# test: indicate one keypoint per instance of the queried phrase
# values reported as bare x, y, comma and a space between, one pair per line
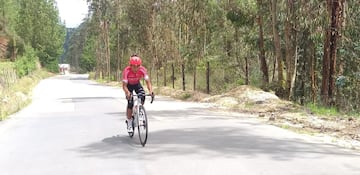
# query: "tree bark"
262, 59
277, 44
290, 38
208, 77
164, 74
335, 11
183, 75
194, 78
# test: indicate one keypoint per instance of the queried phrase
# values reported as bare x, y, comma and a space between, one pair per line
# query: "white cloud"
72, 11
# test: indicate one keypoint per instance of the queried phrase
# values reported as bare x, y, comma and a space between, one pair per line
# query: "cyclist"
131, 77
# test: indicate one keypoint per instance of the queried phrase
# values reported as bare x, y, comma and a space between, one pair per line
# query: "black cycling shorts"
138, 90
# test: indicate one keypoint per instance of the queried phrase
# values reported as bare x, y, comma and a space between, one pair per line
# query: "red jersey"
133, 78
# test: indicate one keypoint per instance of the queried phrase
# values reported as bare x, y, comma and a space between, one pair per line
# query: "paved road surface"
76, 127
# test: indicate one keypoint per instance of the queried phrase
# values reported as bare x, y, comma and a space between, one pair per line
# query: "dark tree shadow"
209, 142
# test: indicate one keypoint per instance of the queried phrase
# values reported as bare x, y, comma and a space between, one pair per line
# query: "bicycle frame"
137, 105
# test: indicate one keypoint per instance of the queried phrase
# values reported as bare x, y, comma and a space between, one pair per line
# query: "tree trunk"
262, 59
173, 75
183, 76
107, 49
118, 53
208, 77
118, 48
335, 11
277, 44
325, 69
290, 42
157, 77
246, 71
194, 78
98, 60
165, 74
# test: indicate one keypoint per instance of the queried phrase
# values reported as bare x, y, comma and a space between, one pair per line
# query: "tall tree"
290, 47
335, 14
277, 45
262, 58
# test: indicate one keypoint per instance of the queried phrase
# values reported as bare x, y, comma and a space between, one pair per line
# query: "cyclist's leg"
130, 102
129, 119
140, 90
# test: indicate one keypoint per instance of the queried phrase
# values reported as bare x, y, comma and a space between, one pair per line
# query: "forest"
305, 51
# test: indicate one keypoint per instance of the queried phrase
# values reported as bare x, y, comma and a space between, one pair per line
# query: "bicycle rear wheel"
142, 125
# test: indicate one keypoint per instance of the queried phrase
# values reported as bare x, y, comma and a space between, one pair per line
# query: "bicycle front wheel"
142, 125
131, 134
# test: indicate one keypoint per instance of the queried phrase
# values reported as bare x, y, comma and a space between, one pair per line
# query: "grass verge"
18, 95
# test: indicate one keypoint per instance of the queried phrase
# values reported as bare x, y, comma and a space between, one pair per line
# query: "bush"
26, 64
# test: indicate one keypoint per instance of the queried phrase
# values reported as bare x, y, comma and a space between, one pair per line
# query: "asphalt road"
76, 127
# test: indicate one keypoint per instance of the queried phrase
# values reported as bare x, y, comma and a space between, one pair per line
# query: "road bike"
140, 120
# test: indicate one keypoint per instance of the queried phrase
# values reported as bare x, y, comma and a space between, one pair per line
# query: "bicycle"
140, 120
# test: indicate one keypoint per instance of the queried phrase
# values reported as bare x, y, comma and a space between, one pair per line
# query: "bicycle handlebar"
152, 96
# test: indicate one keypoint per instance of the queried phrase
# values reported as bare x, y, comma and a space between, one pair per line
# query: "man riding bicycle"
131, 77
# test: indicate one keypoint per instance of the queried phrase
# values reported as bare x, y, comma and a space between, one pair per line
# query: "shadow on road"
208, 143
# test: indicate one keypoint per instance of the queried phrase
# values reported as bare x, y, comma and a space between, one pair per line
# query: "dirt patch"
340, 130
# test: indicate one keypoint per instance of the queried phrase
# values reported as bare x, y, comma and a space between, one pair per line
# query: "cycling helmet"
135, 60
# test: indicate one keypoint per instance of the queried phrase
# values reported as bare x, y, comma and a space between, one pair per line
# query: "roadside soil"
267, 107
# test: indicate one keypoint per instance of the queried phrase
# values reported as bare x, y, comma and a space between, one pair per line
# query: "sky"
72, 11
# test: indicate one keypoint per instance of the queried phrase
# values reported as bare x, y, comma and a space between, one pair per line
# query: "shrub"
26, 64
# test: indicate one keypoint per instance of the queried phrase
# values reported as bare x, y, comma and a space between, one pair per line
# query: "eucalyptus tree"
290, 37
120, 35
277, 44
195, 23
191, 34
335, 9
348, 74
306, 22
243, 15
100, 21
262, 58
139, 18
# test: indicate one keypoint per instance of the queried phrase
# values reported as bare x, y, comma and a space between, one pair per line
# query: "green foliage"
8, 11
185, 96
238, 18
52, 66
26, 64
38, 25
87, 61
321, 110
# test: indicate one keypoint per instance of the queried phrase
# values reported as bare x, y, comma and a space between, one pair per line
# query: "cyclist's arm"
147, 80
126, 90
125, 82
149, 86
